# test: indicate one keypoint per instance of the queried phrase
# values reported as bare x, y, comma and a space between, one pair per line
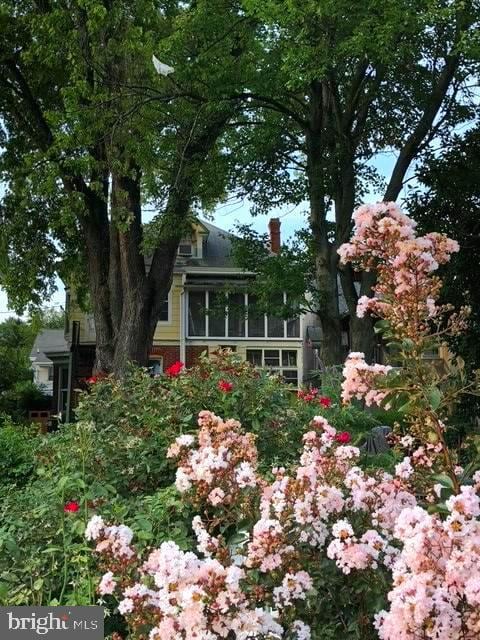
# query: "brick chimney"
275, 240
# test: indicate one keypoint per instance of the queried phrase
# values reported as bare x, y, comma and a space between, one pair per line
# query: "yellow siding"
171, 330
165, 331
87, 331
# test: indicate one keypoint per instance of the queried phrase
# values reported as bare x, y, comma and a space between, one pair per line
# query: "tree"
447, 199
17, 390
90, 133
337, 84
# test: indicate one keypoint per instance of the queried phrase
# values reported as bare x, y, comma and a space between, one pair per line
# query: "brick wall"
170, 354
192, 353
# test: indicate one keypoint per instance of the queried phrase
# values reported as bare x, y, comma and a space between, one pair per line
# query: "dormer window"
187, 247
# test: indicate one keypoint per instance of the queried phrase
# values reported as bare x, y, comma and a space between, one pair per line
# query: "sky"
226, 216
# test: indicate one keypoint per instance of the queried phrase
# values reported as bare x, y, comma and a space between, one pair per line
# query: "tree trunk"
95, 226
132, 344
126, 299
325, 256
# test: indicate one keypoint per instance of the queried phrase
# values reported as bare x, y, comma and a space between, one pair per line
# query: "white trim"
183, 322
220, 271
244, 339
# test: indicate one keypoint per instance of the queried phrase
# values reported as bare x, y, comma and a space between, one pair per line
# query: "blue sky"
225, 217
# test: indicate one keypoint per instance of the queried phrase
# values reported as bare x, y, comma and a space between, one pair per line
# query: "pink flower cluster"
436, 577
405, 291
111, 540
259, 585
359, 380
182, 597
221, 466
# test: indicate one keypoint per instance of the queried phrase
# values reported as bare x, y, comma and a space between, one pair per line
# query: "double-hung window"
282, 361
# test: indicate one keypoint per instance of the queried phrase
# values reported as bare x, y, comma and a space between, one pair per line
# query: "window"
62, 401
236, 315
289, 358
275, 324
282, 361
187, 247
50, 373
196, 313
293, 328
164, 310
272, 357
256, 320
254, 356
290, 376
216, 314
155, 367
240, 318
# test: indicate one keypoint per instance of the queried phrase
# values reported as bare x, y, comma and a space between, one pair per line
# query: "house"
195, 319
51, 342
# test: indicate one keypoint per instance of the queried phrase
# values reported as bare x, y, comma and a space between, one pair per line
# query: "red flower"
325, 402
71, 507
92, 380
344, 437
225, 386
308, 395
174, 370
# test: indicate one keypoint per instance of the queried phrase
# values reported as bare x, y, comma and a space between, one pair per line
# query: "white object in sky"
162, 69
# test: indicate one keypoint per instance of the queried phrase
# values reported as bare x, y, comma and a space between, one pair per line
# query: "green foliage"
113, 461
448, 200
81, 101
17, 444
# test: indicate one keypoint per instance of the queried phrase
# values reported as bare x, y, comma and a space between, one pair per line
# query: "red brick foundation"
193, 353
171, 354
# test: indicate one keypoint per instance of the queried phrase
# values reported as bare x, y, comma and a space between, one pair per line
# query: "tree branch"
415, 139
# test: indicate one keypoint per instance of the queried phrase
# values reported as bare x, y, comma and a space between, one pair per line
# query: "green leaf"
381, 326
434, 396
38, 584
444, 480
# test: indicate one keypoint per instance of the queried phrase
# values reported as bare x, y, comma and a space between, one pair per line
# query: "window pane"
274, 323
163, 317
256, 320
236, 315
216, 314
289, 358
290, 376
272, 358
196, 313
293, 328
254, 356
275, 327
185, 248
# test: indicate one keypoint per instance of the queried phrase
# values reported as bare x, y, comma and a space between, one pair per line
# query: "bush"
17, 442
114, 460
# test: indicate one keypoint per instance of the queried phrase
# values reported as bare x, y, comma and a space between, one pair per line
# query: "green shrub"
113, 460
17, 442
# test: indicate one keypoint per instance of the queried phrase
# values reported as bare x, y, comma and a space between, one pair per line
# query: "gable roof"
48, 341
